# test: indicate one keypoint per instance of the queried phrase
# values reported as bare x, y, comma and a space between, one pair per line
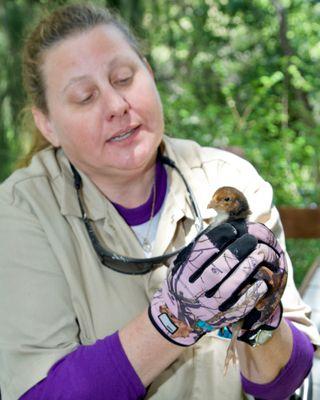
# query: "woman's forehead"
102, 39
103, 46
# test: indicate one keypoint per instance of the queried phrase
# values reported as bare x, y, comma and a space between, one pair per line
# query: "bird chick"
230, 205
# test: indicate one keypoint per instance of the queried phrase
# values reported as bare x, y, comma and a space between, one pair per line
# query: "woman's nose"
115, 104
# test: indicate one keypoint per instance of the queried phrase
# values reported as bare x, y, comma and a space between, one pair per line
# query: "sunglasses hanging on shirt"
130, 265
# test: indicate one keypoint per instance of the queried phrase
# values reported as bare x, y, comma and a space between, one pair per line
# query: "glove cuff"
169, 326
261, 334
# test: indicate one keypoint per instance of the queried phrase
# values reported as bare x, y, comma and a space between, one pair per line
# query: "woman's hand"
267, 313
217, 280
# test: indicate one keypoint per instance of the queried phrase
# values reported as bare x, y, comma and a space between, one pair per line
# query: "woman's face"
104, 108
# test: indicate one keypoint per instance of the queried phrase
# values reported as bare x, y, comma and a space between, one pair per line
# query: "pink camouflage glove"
218, 280
267, 313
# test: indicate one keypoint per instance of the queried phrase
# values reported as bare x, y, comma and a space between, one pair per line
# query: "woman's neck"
130, 189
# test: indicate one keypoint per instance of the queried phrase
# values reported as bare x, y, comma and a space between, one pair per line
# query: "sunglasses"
129, 265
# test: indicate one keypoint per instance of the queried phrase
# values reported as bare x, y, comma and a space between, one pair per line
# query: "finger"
208, 247
232, 287
216, 271
264, 235
242, 307
240, 225
221, 235
248, 300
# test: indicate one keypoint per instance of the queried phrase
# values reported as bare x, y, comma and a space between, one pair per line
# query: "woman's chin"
139, 162
134, 158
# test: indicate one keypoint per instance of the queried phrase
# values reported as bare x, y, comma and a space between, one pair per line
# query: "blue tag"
204, 326
225, 333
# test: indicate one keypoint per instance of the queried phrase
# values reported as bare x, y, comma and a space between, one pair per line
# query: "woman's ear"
43, 123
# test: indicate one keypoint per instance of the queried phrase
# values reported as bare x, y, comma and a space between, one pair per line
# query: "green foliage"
243, 73
303, 252
230, 73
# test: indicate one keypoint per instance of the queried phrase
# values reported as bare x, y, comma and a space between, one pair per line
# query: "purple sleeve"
291, 376
97, 372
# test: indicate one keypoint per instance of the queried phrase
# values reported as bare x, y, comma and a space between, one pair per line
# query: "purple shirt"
94, 372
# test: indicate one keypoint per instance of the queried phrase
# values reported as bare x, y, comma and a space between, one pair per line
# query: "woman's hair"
59, 25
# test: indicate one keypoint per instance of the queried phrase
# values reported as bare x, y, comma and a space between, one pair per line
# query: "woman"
104, 185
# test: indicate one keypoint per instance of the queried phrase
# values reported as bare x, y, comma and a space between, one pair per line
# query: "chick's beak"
212, 203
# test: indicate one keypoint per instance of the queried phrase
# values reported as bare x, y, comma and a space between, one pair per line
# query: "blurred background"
241, 74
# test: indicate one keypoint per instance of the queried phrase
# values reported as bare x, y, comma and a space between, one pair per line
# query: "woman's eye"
123, 81
86, 99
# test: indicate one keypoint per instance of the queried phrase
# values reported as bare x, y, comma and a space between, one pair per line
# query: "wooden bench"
302, 223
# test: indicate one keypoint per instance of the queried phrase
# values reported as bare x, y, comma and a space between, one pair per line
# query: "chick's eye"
227, 199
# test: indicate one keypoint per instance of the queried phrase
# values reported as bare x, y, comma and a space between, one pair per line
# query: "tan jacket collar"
198, 186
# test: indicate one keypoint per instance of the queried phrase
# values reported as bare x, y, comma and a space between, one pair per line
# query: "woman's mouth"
123, 136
